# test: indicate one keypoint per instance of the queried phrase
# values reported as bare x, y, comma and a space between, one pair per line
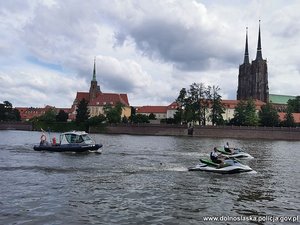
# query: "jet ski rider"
217, 158
227, 148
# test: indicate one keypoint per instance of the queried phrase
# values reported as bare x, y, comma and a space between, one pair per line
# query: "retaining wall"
15, 126
273, 133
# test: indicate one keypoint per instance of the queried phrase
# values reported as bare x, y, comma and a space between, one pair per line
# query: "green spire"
94, 72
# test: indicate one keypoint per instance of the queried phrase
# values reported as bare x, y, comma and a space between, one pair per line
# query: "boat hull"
209, 166
67, 148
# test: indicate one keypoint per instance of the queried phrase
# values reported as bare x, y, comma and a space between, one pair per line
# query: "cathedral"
253, 77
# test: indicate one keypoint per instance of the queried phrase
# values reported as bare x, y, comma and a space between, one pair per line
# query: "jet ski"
237, 153
230, 166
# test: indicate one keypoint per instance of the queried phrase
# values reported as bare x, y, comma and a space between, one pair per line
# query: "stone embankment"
15, 126
271, 133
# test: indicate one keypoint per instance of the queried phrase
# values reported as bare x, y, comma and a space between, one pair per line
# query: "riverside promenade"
238, 132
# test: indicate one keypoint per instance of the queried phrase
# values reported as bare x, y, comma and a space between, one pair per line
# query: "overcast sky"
149, 49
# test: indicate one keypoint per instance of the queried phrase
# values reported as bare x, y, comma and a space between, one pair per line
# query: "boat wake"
164, 167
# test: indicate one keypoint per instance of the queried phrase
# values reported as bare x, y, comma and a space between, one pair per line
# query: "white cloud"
149, 49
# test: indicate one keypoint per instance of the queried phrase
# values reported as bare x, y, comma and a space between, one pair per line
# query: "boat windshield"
73, 138
87, 139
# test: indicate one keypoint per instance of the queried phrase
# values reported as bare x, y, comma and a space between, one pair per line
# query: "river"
144, 180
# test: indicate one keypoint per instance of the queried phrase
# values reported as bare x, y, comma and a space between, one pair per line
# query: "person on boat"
217, 158
54, 141
43, 139
227, 148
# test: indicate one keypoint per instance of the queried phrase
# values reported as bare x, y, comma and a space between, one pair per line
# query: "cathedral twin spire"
258, 53
253, 76
246, 58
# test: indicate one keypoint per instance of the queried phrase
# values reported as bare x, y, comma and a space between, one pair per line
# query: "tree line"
197, 104
200, 104
112, 115
8, 113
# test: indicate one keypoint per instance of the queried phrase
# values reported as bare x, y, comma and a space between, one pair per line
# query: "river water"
144, 180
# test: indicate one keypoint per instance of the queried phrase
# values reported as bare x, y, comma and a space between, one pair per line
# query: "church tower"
244, 74
253, 78
95, 88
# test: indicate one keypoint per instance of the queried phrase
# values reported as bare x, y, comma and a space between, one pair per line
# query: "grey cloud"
188, 48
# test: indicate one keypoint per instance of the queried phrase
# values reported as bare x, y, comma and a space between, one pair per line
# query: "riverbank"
270, 133
15, 125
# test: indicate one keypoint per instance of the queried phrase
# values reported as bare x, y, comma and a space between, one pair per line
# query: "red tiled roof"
27, 113
295, 115
173, 106
125, 98
152, 109
233, 103
82, 95
103, 98
109, 99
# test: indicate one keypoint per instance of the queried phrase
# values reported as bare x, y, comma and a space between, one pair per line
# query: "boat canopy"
76, 137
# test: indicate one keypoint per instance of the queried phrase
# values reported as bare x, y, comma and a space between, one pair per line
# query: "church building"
253, 77
97, 100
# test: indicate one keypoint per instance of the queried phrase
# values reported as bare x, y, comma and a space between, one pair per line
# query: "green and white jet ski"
237, 153
230, 166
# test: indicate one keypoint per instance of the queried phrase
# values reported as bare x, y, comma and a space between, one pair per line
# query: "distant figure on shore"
190, 129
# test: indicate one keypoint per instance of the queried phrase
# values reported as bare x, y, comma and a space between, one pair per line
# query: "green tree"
239, 116
245, 114
294, 105
193, 104
15, 115
62, 116
182, 102
139, 118
7, 105
251, 115
125, 119
198, 101
178, 117
49, 116
7, 113
268, 116
217, 108
152, 116
82, 111
96, 120
113, 114
289, 120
